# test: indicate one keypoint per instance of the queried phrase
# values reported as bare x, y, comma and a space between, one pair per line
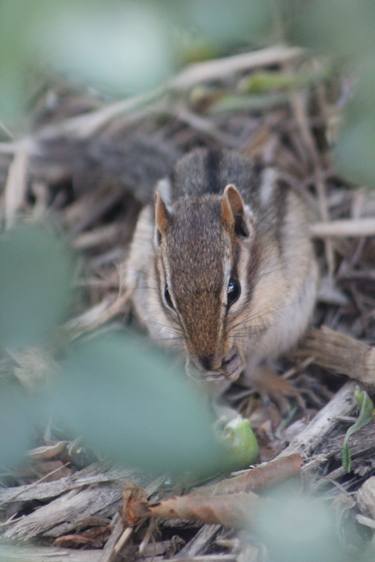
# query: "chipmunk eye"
167, 297
233, 291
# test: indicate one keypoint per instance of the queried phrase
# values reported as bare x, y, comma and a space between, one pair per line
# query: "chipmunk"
221, 265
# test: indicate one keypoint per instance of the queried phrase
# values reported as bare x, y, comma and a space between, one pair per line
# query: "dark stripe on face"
157, 274
236, 258
281, 204
234, 268
212, 172
257, 175
252, 270
161, 285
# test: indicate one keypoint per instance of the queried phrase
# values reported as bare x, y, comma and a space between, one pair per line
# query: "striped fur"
185, 252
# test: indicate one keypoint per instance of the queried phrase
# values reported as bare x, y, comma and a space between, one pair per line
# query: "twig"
204, 558
219, 68
298, 105
340, 354
127, 533
342, 404
108, 553
257, 478
15, 188
344, 228
204, 126
202, 538
98, 236
99, 315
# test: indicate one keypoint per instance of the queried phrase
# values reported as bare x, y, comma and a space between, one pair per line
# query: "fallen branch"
356, 228
219, 68
16, 186
342, 404
98, 315
231, 510
256, 479
230, 503
340, 354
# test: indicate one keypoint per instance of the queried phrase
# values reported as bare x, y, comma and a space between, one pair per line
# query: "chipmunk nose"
206, 361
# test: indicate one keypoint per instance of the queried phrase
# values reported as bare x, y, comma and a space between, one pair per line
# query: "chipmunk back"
222, 266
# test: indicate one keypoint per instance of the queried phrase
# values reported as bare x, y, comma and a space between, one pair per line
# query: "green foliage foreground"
116, 391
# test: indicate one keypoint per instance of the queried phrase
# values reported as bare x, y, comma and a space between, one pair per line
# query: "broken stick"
340, 354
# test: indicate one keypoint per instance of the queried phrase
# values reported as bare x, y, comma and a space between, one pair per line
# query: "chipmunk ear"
233, 212
162, 217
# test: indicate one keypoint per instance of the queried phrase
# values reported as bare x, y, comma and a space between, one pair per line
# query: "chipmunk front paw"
232, 365
274, 387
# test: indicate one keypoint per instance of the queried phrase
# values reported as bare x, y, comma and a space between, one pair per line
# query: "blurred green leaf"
295, 527
225, 23
132, 407
340, 27
13, 57
35, 282
16, 424
366, 414
355, 152
118, 48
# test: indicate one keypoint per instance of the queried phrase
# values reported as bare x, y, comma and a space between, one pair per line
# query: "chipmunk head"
203, 245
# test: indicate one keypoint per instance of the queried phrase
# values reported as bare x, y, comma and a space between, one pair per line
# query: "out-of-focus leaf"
297, 527
224, 22
116, 47
13, 56
355, 151
366, 414
35, 283
132, 407
345, 28
16, 424
340, 27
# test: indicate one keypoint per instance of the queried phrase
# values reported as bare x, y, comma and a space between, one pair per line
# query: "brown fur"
224, 221
162, 218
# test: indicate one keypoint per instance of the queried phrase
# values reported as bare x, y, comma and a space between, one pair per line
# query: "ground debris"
230, 502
